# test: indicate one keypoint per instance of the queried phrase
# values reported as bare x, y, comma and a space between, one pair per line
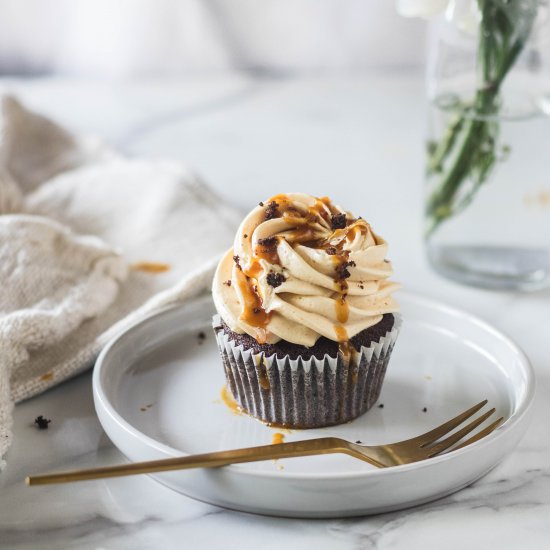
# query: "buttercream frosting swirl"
301, 268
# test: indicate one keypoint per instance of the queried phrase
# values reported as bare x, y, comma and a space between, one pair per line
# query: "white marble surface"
358, 140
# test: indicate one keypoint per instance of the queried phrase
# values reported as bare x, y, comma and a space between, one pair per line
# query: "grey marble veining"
251, 140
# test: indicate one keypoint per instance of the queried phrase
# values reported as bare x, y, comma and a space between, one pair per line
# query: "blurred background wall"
129, 38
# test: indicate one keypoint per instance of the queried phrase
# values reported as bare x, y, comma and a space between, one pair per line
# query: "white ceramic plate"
157, 394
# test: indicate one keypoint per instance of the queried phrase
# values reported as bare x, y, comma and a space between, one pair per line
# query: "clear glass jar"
487, 206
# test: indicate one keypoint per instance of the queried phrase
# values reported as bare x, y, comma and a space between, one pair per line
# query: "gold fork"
418, 448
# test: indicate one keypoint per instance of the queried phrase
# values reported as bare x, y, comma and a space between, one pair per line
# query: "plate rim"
521, 410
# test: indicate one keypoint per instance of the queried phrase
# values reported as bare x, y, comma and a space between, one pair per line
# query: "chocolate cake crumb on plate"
41, 422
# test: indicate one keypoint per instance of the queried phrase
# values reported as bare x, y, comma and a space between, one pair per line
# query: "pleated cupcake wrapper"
305, 393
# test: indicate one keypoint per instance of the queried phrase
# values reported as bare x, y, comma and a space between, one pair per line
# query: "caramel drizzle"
263, 378
150, 267
310, 228
253, 312
266, 252
342, 309
277, 438
229, 401
344, 345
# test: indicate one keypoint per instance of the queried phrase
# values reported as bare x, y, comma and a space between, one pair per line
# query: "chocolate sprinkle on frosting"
272, 211
331, 250
342, 271
236, 259
275, 279
338, 221
228, 282
268, 242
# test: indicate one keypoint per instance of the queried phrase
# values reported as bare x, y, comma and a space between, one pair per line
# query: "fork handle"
307, 447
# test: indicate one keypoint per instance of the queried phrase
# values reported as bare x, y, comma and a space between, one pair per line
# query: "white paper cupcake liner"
305, 393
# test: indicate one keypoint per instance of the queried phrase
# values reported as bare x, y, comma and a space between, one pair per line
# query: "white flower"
464, 14
421, 8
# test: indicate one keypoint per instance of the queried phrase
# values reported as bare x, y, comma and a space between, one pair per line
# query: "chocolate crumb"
342, 271
261, 203
425, 409
245, 236
275, 279
228, 282
331, 250
201, 335
41, 422
236, 259
381, 406
268, 242
272, 211
359, 442
338, 221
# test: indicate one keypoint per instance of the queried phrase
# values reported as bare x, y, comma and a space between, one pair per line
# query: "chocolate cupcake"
306, 319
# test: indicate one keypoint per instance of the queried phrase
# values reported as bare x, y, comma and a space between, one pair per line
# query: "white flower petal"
420, 8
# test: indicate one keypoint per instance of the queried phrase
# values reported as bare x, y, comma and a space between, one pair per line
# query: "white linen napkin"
90, 242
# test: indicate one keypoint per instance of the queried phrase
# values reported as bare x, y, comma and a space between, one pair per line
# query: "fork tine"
456, 437
481, 434
444, 429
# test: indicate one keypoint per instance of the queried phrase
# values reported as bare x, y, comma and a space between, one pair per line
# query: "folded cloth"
90, 242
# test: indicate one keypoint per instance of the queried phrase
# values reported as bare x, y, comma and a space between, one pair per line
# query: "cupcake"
306, 321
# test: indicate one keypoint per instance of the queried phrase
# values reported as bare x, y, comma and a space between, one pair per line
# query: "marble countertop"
359, 141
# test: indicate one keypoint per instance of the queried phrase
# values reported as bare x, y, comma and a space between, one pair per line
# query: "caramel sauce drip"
303, 235
150, 267
344, 345
341, 304
282, 200
266, 252
341, 333
253, 313
342, 309
228, 400
277, 438
263, 379
360, 226
254, 269
345, 349
323, 208
294, 217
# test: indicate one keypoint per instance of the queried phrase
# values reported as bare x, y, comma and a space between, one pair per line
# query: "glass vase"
487, 201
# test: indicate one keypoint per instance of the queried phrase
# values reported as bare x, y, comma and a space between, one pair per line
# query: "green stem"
439, 204
499, 48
